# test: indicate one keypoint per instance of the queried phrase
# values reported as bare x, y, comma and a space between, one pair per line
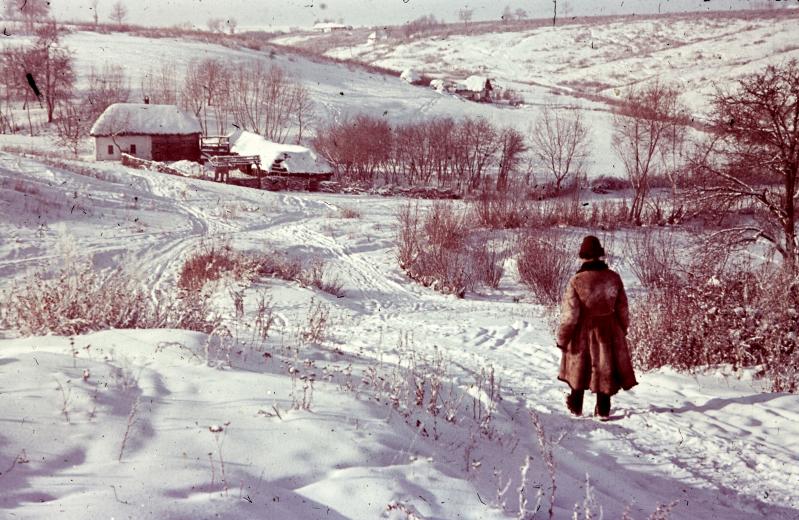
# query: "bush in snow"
77, 299
711, 315
545, 262
437, 250
210, 264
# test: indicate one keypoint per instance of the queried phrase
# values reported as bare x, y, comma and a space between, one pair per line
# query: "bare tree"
512, 147
160, 85
108, 86
72, 126
52, 70
267, 101
30, 11
476, 146
640, 130
232, 23
303, 109
118, 13
561, 143
465, 15
95, 11
215, 25
521, 14
754, 156
507, 15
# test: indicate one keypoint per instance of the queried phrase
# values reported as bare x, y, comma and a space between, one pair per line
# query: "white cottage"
153, 132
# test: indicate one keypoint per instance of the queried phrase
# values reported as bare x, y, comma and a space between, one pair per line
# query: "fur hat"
591, 248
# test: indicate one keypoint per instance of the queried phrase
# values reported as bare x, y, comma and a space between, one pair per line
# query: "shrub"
209, 265
653, 258
545, 262
438, 250
315, 276
715, 314
500, 210
349, 212
278, 265
77, 299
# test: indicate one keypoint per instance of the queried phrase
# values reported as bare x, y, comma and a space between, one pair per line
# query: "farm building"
475, 88
327, 27
277, 158
153, 132
376, 36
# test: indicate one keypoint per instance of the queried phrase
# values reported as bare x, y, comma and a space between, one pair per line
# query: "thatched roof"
144, 119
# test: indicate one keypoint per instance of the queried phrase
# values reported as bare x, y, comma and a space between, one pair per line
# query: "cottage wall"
122, 144
176, 147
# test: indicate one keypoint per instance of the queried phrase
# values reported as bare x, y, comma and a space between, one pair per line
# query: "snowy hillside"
337, 90
153, 424
599, 57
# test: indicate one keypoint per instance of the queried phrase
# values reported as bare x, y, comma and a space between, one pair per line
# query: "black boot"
574, 402
602, 408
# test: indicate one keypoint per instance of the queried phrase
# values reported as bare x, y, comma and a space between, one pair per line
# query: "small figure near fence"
221, 174
593, 333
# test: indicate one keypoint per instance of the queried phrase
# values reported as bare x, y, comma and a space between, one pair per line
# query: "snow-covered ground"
230, 438
224, 439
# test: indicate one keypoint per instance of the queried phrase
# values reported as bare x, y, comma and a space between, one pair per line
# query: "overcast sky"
283, 13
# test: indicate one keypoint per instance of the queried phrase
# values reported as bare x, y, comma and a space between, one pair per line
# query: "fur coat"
593, 330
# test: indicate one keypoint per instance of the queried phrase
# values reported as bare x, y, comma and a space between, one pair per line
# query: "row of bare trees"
263, 99
459, 154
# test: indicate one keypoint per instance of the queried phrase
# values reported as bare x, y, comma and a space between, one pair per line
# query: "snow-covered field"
713, 444
152, 424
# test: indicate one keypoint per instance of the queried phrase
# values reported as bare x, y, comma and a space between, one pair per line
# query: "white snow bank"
294, 158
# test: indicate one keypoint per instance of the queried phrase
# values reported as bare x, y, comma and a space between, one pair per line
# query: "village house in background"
326, 27
475, 88
376, 36
152, 132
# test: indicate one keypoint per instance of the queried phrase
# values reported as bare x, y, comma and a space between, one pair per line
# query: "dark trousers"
575, 403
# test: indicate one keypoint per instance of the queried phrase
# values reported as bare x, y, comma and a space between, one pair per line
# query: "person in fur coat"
593, 333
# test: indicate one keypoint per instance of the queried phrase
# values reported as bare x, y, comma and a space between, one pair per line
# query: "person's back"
592, 332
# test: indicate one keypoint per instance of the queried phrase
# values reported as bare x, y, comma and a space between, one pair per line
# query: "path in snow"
714, 446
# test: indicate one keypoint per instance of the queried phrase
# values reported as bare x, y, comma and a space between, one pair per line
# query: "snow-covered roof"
410, 75
330, 25
474, 83
144, 119
296, 159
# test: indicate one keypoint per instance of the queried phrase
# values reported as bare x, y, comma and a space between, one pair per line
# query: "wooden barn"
152, 132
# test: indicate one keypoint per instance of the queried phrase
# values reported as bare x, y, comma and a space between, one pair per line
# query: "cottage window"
133, 149
110, 149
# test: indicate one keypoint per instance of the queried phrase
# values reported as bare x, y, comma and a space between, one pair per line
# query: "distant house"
153, 132
327, 27
376, 36
475, 88
442, 85
411, 76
